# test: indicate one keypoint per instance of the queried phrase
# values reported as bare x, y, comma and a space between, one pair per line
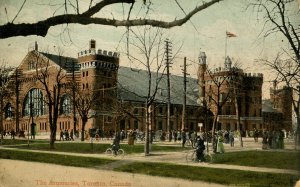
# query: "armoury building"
100, 71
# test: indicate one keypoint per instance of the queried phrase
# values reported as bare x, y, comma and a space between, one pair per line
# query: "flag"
229, 34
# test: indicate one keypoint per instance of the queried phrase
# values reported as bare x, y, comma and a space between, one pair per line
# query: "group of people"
273, 139
66, 136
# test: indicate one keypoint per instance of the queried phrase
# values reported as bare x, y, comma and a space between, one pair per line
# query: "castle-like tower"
220, 86
99, 71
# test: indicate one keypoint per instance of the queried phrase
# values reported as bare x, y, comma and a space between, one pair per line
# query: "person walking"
71, 135
265, 141
231, 139
175, 136
183, 134
220, 146
199, 149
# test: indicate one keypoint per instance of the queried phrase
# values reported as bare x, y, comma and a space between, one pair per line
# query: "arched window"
9, 111
65, 105
34, 104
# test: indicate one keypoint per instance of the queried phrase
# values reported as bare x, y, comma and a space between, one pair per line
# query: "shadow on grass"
221, 176
65, 160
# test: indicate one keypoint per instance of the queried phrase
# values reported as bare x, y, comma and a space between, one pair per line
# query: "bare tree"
71, 12
148, 42
85, 101
5, 91
218, 92
46, 71
282, 16
288, 72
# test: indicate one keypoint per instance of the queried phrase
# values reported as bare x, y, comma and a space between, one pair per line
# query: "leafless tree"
218, 92
46, 71
85, 101
148, 42
5, 91
282, 16
135, 13
288, 72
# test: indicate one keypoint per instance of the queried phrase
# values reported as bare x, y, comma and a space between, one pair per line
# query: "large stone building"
218, 87
277, 111
115, 86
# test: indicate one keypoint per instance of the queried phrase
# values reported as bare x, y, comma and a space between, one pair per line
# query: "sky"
204, 32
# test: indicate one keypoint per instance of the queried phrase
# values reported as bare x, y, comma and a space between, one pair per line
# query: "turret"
228, 63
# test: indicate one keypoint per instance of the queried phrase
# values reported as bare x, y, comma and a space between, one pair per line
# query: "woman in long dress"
220, 146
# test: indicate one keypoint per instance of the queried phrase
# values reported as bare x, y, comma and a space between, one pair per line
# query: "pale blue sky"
211, 25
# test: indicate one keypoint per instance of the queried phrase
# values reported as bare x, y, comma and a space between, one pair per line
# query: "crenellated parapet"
98, 52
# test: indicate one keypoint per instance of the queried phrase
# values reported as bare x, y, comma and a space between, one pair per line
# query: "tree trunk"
147, 141
82, 129
52, 136
237, 111
213, 132
1, 118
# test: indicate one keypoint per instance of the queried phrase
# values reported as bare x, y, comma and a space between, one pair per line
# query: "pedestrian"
265, 141
220, 146
199, 149
61, 135
231, 139
183, 134
71, 135
175, 136
281, 140
12, 133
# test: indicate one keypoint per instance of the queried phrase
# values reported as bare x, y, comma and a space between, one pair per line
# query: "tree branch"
41, 28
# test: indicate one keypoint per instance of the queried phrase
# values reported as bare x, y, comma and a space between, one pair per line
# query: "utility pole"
73, 95
168, 56
184, 95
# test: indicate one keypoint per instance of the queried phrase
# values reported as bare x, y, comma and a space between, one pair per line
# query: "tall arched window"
34, 104
9, 113
65, 105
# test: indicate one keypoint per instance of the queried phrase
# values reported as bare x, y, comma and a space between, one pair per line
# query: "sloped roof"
63, 61
133, 86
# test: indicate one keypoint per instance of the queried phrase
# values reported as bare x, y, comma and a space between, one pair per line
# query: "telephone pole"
73, 95
168, 59
184, 95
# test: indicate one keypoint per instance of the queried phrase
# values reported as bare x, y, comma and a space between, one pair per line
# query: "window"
8, 111
87, 73
82, 74
65, 105
159, 125
160, 110
34, 104
87, 86
136, 124
31, 65
136, 111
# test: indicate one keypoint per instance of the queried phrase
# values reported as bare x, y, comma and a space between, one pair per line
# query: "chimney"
36, 47
202, 58
92, 44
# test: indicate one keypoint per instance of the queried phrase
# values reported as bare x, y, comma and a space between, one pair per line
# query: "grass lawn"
221, 176
95, 148
65, 160
21, 141
269, 159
